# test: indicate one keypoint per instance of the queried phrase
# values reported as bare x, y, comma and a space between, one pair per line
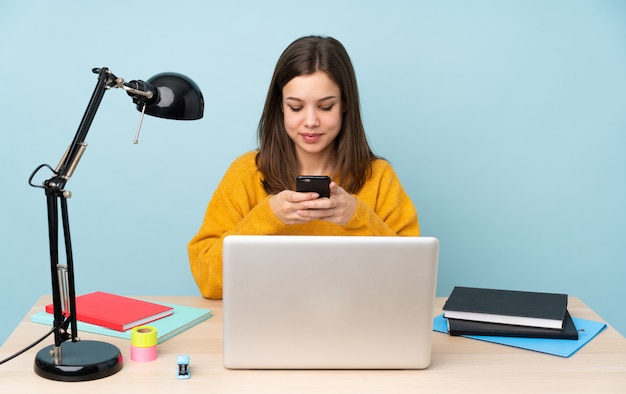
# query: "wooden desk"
458, 365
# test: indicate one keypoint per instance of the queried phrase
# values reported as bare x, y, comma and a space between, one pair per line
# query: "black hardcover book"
469, 327
522, 308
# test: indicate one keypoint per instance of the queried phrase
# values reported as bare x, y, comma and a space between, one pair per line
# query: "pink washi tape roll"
142, 354
143, 343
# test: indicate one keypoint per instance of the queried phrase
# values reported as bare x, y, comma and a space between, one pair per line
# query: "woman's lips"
311, 137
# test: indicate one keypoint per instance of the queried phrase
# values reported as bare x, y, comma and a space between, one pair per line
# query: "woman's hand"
295, 208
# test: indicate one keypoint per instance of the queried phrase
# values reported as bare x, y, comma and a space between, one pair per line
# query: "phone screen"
319, 184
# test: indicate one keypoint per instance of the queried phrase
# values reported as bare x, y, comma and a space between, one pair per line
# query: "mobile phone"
319, 184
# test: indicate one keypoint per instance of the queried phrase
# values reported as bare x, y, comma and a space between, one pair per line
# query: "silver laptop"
328, 302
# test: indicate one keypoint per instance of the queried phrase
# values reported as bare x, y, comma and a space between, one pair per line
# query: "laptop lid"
328, 302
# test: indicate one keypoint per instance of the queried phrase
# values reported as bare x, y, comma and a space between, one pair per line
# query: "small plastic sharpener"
183, 367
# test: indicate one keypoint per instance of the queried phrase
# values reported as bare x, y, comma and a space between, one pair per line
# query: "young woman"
311, 125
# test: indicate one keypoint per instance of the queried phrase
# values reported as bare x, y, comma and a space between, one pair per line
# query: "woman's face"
312, 113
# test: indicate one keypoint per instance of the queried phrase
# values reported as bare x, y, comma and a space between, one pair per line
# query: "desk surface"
458, 365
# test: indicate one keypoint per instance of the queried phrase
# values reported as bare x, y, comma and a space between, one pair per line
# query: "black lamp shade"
177, 97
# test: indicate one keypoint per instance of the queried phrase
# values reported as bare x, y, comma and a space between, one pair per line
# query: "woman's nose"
312, 118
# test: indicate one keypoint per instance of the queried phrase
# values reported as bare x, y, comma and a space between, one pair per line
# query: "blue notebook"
183, 318
587, 330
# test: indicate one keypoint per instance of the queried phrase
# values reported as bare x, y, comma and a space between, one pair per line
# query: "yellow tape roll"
143, 336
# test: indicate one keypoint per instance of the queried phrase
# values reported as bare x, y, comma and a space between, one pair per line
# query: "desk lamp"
165, 95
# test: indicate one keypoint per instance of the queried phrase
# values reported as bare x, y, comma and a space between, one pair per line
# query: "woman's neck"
317, 164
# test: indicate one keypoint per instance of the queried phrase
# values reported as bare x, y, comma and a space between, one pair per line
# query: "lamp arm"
69, 161
63, 290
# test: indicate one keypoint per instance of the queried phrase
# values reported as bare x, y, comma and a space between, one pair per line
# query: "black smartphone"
319, 184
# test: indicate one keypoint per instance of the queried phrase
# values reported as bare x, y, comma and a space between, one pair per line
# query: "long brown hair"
276, 158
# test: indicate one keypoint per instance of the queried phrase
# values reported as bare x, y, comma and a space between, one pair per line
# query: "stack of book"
114, 315
478, 311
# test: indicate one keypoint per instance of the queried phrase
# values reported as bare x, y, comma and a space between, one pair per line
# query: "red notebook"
116, 312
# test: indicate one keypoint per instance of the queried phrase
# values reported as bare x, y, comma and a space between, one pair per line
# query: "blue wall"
504, 119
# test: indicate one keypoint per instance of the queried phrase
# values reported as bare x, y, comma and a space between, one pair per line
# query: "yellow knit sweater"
240, 206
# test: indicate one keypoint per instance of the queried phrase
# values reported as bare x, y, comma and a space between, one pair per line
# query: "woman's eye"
327, 108
294, 109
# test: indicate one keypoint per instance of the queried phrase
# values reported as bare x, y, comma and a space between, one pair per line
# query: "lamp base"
81, 361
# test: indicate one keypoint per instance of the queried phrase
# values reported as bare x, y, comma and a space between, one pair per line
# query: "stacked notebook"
114, 315
508, 313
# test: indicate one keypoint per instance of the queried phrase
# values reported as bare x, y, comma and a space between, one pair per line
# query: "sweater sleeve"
384, 208
237, 207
